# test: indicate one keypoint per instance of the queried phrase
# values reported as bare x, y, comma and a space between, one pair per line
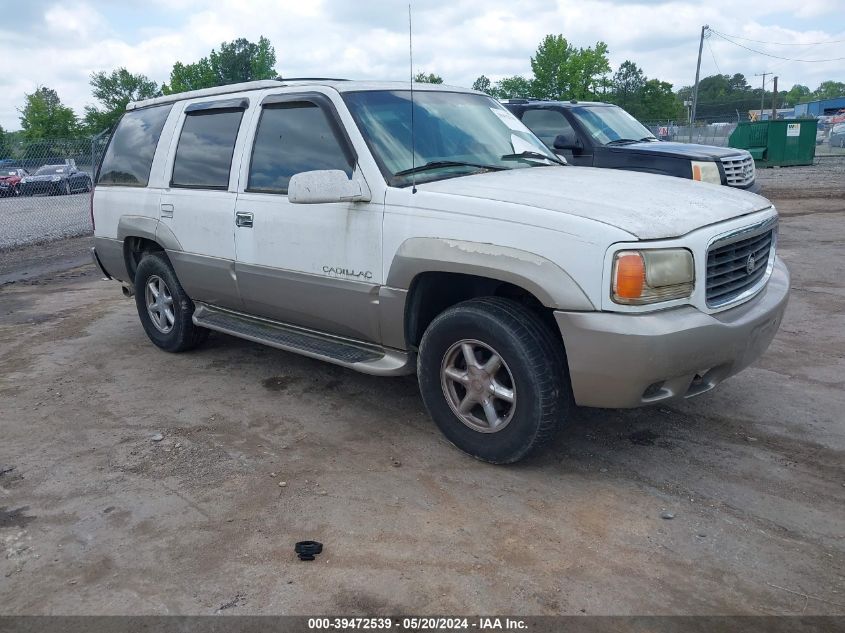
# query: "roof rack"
280, 78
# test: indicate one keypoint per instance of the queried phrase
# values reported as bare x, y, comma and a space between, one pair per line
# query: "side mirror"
567, 141
324, 186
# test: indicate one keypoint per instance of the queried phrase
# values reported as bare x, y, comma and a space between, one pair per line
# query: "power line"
789, 59
748, 39
710, 48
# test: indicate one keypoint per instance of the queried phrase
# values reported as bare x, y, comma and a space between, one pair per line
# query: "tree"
483, 84
627, 86
512, 88
658, 102
829, 90
796, 94
45, 117
114, 91
562, 71
4, 143
429, 78
236, 61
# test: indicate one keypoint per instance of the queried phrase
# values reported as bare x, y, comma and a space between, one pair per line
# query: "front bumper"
629, 360
40, 187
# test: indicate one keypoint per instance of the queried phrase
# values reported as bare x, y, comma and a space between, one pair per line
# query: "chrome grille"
738, 265
739, 170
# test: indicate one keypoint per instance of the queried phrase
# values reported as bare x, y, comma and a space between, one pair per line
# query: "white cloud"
62, 44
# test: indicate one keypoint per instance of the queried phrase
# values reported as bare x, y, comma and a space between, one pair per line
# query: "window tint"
129, 156
292, 138
547, 124
204, 154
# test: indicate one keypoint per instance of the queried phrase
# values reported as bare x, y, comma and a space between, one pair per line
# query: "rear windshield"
129, 157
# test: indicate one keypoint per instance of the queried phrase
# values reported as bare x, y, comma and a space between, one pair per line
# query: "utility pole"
695, 87
762, 96
775, 99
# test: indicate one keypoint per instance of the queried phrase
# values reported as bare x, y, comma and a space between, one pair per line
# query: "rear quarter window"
206, 145
129, 156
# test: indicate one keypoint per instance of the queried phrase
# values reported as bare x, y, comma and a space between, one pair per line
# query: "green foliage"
483, 84
562, 71
4, 143
796, 94
512, 88
429, 78
627, 86
828, 90
114, 90
657, 102
236, 61
45, 117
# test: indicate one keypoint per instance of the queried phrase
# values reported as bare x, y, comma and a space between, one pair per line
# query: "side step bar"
363, 357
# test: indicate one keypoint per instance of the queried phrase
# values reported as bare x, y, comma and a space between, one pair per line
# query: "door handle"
166, 210
243, 219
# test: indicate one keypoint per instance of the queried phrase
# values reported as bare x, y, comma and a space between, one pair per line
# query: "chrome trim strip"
725, 239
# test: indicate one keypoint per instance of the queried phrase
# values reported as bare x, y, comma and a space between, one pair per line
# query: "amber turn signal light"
629, 278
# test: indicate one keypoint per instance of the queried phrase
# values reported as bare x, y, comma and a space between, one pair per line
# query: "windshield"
607, 124
450, 127
50, 169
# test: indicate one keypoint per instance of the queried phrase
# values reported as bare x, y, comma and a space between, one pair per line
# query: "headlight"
24, 180
56, 178
706, 171
650, 276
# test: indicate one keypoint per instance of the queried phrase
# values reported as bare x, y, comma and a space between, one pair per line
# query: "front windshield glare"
609, 123
449, 127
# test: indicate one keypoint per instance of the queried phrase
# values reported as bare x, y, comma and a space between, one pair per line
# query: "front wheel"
493, 377
163, 306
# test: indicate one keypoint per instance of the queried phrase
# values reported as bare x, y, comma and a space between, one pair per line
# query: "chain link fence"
45, 189
718, 134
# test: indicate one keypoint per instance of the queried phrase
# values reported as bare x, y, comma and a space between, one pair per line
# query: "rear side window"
292, 138
204, 154
546, 124
130, 153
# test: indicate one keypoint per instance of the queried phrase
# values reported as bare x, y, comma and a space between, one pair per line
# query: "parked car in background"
55, 180
837, 135
597, 134
10, 180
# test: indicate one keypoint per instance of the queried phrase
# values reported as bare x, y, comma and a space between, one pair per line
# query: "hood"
689, 151
645, 205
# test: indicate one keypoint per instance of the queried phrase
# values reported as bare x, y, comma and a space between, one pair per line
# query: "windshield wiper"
528, 155
436, 164
620, 141
648, 138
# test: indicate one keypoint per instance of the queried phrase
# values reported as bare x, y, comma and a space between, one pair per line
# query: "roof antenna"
411, 57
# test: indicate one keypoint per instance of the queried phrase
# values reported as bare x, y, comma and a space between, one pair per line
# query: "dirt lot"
96, 517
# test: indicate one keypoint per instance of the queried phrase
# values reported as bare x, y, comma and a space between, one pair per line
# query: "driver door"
313, 265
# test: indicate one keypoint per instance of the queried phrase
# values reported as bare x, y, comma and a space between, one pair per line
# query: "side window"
129, 156
206, 144
547, 124
292, 138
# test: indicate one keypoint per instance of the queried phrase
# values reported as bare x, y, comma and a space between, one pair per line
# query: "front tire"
494, 378
164, 307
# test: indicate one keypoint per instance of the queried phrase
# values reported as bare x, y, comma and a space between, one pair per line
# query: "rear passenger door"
313, 265
199, 203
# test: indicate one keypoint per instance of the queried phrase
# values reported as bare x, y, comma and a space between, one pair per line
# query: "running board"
363, 357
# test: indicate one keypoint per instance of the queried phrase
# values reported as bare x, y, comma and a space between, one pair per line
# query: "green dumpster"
777, 143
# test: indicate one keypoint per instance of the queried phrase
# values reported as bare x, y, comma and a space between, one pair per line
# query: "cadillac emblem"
750, 263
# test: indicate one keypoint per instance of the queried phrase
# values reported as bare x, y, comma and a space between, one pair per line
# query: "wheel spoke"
168, 315
469, 355
501, 392
467, 404
490, 413
153, 289
456, 374
493, 365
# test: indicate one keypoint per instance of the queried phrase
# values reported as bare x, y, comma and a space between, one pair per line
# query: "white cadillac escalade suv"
306, 215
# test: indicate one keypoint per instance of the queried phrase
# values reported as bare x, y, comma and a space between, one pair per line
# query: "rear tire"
164, 307
494, 378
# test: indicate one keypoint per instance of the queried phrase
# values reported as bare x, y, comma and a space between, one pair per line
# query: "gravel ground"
97, 517
37, 219
824, 179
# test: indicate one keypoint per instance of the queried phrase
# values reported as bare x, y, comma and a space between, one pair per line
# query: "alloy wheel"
478, 386
159, 304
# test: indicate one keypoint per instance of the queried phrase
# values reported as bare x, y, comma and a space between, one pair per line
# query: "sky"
59, 44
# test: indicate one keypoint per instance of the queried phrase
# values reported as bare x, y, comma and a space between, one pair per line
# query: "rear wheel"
163, 306
493, 377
